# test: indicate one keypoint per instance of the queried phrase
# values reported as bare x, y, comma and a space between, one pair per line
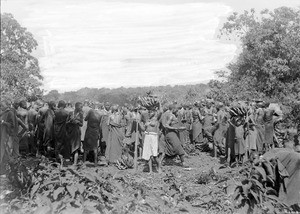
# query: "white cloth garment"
150, 145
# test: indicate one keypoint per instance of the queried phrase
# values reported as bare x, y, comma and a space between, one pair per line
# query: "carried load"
150, 102
239, 111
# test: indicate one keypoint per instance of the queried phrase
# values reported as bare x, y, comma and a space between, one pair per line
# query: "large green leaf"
90, 177
58, 191
81, 188
34, 189
72, 189
72, 210
261, 172
43, 210
90, 210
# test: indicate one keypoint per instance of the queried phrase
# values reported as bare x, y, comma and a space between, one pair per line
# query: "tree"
269, 62
20, 72
53, 95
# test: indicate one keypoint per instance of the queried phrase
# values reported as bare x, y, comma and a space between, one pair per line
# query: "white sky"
98, 43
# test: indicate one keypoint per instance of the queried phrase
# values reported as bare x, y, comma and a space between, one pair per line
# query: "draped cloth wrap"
173, 144
115, 139
48, 129
289, 170
74, 131
104, 128
62, 146
260, 128
269, 127
197, 127
230, 141
85, 110
92, 133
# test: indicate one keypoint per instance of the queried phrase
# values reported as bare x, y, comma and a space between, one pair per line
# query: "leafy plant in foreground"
258, 193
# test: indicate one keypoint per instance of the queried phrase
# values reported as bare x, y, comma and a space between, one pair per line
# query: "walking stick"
246, 140
135, 146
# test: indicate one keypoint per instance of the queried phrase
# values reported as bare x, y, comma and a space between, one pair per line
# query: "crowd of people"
106, 132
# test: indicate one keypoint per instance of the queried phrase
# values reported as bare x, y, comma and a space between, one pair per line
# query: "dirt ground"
201, 188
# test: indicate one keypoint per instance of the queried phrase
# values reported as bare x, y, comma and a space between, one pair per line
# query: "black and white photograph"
150, 107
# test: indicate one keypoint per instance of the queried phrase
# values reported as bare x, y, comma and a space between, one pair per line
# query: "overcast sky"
113, 43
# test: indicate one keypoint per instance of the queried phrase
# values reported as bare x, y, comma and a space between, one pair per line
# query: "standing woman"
62, 147
173, 144
251, 137
197, 126
74, 123
260, 127
222, 126
92, 134
208, 122
150, 150
48, 139
104, 129
115, 136
181, 120
230, 141
269, 128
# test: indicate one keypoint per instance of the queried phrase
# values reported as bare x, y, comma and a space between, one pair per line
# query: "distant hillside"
180, 93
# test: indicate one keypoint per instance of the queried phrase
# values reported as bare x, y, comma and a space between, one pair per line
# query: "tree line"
179, 93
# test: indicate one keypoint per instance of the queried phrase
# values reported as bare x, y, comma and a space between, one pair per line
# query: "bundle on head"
239, 115
239, 111
149, 102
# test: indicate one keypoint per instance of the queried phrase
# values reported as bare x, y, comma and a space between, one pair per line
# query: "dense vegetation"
268, 66
179, 93
46, 188
20, 71
269, 62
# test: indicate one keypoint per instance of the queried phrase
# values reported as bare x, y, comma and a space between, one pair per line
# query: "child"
239, 146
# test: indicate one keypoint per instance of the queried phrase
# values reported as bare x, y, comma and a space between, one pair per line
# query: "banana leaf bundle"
239, 111
149, 102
